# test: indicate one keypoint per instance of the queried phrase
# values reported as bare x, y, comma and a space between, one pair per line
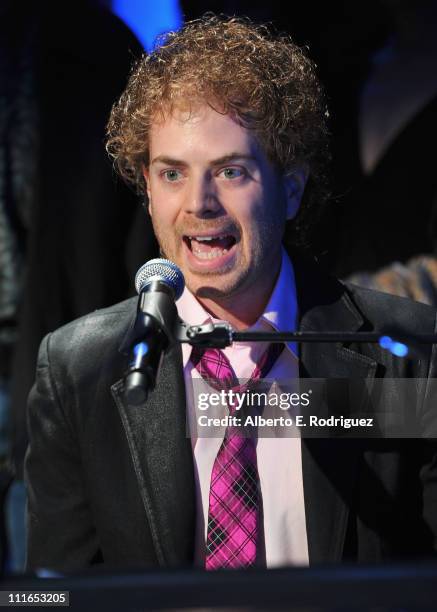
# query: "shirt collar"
279, 314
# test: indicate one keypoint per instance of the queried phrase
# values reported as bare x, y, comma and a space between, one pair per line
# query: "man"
222, 127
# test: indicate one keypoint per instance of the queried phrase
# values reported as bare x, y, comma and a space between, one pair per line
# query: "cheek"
249, 207
257, 217
163, 208
264, 228
160, 221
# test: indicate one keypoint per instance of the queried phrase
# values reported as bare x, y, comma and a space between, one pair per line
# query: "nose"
201, 198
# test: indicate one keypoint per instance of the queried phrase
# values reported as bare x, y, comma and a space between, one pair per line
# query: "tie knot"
214, 366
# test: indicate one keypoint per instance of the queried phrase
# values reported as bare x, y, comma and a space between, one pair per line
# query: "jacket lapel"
162, 459
329, 465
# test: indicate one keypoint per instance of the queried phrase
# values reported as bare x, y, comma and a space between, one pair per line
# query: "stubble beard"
229, 288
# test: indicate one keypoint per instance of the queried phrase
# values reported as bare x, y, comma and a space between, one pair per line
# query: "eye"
232, 173
172, 175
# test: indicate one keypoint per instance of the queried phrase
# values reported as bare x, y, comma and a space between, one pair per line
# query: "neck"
243, 310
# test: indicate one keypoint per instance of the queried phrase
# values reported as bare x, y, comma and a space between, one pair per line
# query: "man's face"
218, 206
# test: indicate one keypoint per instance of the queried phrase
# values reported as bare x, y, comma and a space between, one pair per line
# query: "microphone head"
161, 270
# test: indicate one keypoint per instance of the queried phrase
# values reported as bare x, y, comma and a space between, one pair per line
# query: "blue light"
140, 349
396, 348
385, 342
149, 19
399, 349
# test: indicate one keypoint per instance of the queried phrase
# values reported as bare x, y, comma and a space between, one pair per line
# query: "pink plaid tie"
234, 494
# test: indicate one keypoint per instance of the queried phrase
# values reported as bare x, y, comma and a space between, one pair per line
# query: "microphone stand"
138, 379
221, 335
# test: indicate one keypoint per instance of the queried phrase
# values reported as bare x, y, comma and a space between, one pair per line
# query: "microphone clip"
208, 335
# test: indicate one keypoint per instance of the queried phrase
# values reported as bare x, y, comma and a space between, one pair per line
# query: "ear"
147, 183
294, 186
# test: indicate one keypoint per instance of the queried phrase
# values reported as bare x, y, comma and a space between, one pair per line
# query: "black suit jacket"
112, 483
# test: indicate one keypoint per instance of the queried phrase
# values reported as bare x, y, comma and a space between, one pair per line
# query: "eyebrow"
170, 161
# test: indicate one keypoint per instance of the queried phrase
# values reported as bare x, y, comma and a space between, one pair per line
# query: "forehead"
201, 133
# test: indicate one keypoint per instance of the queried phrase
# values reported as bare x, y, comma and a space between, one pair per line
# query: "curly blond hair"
263, 80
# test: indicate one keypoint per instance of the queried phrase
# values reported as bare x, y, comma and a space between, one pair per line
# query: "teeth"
204, 238
211, 254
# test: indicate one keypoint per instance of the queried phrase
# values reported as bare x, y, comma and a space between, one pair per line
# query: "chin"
216, 291
212, 293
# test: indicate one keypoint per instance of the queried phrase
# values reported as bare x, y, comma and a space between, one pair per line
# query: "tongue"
205, 246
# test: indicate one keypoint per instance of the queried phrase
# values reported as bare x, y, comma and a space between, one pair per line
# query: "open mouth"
210, 247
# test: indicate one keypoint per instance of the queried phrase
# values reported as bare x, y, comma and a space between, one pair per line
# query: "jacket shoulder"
91, 339
386, 310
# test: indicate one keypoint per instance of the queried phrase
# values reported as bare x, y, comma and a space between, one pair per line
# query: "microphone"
159, 283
